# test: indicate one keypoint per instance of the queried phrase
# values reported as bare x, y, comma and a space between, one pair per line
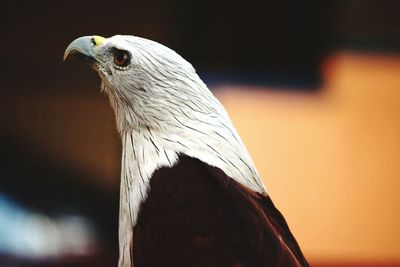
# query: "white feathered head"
153, 88
149, 85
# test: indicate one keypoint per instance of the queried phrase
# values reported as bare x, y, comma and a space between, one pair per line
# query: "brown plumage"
195, 215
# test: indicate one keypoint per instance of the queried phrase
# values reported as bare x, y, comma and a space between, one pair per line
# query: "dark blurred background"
60, 153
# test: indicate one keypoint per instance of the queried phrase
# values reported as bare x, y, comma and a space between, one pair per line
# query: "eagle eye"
122, 58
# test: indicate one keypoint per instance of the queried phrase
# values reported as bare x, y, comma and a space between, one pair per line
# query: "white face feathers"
154, 87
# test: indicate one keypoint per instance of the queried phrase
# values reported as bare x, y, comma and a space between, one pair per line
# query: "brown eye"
122, 58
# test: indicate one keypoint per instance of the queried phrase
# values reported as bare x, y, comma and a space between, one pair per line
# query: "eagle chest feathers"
190, 194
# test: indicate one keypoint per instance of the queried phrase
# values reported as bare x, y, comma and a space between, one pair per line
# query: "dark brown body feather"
195, 215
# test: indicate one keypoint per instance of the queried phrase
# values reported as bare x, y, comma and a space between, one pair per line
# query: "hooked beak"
83, 47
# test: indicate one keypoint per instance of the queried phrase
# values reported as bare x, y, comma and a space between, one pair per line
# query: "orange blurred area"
331, 160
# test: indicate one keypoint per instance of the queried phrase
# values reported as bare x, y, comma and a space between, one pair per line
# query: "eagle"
190, 194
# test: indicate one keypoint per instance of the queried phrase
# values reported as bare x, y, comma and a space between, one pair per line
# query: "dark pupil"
121, 58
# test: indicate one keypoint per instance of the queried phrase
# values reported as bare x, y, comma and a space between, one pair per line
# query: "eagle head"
158, 96
149, 85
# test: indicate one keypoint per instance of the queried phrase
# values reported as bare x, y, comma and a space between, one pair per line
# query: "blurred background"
313, 88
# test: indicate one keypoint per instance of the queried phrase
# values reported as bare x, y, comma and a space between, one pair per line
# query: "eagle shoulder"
195, 215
